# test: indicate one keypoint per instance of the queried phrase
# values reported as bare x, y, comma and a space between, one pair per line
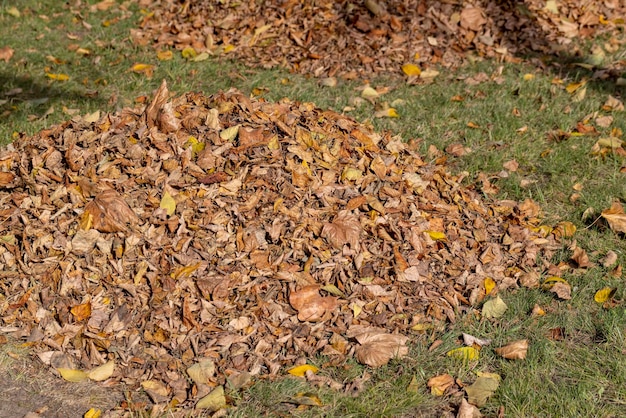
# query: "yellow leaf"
604, 294
550, 281
72, 375
333, 290
82, 311
146, 69
185, 271
528, 77
273, 143
413, 385
356, 310
102, 372
189, 53
168, 203
351, 173
196, 146
564, 229
300, 371
489, 284
203, 56
464, 353
214, 401
439, 384
165, 55
229, 134
610, 142
411, 70
572, 87
436, 235
494, 308
93, 413
369, 93
58, 77
13, 11
229, 48
482, 389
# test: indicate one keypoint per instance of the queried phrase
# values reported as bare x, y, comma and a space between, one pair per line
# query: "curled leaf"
516, 350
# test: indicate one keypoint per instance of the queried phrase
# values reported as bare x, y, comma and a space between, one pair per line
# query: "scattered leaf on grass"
464, 353
467, 410
214, 401
414, 385
516, 350
439, 384
604, 294
6, 52
470, 340
562, 290
538, 311
581, 258
609, 259
308, 399
58, 77
301, 370
485, 385
165, 55
145, 69
616, 217
376, 348
494, 308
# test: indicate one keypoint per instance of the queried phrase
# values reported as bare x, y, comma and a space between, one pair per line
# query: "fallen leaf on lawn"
145, 69
494, 308
511, 165
376, 348
6, 53
369, 93
604, 121
538, 311
411, 70
528, 77
58, 77
165, 55
301, 370
307, 399
311, 306
202, 371
573, 87
413, 385
604, 294
562, 290
214, 401
516, 350
93, 413
428, 74
72, 375
102, 372
564, 229
470, 340
439, 384
616, 217
329, 82
389, 112
581, 258
189, 53
13, 11
464, 353
458, 150
613, 104
609, 259
467, 410
484, 386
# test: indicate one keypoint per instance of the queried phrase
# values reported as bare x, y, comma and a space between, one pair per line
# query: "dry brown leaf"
439, 384
467, 410
562, 290
581, 258
616, 217
108, 212
472, 18
516, 350
377, 347
311, 306
345, 229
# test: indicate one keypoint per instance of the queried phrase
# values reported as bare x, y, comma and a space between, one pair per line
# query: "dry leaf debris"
349, 39
264, 222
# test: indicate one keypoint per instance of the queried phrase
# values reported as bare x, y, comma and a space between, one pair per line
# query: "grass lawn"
529, 131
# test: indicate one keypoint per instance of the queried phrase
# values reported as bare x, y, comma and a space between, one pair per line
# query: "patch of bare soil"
359, 39
205, 240
30, 389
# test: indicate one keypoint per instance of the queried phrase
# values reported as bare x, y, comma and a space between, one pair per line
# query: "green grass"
584, 374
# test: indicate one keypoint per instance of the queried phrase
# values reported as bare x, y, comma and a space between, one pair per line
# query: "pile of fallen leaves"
205, 238
361, 38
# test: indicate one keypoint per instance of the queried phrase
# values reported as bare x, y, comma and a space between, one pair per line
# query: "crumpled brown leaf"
344, 229
616, 217
160, 112
378, 347
108, 212
515, 350
311, 306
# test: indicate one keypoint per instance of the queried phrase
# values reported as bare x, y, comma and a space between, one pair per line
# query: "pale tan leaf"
516, 350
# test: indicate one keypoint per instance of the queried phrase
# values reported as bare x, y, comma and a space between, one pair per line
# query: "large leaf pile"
361, 38
203, 238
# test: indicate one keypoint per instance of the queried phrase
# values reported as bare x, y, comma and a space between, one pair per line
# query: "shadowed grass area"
498, 113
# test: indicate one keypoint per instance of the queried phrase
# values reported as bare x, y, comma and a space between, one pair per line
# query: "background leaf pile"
230, 236
356, 39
